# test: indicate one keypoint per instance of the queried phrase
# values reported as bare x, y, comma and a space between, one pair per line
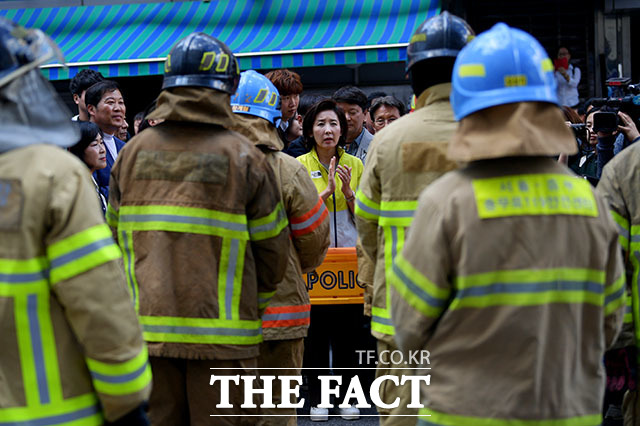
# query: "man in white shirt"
106, 108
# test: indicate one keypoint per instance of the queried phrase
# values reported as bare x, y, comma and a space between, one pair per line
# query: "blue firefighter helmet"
256, 95
500, 66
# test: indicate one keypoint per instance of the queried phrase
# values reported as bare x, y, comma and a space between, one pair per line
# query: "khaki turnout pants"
182, 395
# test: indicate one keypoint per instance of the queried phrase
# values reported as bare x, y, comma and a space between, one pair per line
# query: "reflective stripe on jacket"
619, 184
404, 158
343, 229
288, 314
72, 349
198, 215
512, 276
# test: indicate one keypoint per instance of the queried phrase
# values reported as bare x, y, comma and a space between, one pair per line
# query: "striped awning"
134, 39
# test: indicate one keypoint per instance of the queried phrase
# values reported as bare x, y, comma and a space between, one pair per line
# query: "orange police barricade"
335, 282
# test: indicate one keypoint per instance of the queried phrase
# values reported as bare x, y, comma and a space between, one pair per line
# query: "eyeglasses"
383, 122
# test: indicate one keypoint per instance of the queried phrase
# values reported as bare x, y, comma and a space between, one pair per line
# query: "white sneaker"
319, 414
349, 413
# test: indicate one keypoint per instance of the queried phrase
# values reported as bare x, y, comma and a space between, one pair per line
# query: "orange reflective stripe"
306, 223
286, 316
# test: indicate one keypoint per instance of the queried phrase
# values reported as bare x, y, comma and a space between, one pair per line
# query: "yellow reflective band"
417, 290
393, 244
121, 378
25, 349
547, 65
81, 410
614, 296
81, 252
201, 330
397, 213
264, 298
623, 228
628, 312
183, 219
628, 318
78, 240
366, 208
537, 194
515, 80
634, 239
528, 287
37, 349
230, 272
112, 216
49, 349
530, 276
429, 417
634, 258
126, 245
237, 280
381, 320
119, 368
269, 226
472, 70
23, 276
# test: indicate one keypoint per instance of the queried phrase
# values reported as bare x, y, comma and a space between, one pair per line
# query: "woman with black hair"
91, 151
335, 330
324, 129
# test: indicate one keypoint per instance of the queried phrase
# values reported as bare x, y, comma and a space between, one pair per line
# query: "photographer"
585, 162
611, 143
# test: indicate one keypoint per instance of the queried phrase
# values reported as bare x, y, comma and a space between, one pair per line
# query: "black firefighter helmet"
201, 60
443, 35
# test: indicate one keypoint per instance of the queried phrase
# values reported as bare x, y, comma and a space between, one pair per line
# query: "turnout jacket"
288, 313
72, 348
404, 158
198, 215
619, 184
513, 279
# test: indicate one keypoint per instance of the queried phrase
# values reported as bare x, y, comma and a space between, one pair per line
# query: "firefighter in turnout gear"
286, 320
619, 185
72, 348
405, 157
511, 274
197, 212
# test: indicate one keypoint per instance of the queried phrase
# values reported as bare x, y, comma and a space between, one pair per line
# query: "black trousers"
335, 335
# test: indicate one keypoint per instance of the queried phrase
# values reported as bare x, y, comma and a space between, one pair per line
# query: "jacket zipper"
335, 221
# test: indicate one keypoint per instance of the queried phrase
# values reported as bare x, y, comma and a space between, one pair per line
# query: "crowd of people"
183, 247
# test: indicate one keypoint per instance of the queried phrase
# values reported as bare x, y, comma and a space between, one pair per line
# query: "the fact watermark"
387, 357
260, 387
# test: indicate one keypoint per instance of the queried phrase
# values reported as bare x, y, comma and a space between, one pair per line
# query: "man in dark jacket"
106, 108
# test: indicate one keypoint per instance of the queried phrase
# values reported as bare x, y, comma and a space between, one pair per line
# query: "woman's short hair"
310, 118
88, 133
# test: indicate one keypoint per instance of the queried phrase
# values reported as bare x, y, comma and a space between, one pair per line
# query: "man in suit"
106, 108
